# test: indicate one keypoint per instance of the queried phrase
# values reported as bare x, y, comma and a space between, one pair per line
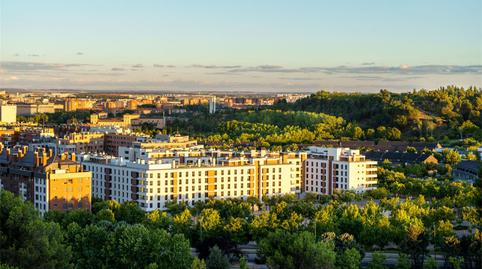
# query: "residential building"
84, 142
400, 157
112, 141
125, 121
467, 170
330, 169
74, 104
154, 177
24, 109
49, 181
8, 113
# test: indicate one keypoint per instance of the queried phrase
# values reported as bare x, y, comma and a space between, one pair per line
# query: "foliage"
216, 259
25, 239
282, 249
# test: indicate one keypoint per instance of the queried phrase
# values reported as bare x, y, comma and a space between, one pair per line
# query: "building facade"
330, 169
156, 177
49, 181
8, 113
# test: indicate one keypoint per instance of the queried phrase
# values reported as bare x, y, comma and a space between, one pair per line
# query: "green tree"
243, 263
403, 262
129, 212
6, 266
209, 219
105, 214
198, 264
282, 249
350, 259
26, 240
378, 261
216, 259
451, 157
430, 263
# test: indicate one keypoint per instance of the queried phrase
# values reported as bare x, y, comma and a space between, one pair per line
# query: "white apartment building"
153, 177
328, 169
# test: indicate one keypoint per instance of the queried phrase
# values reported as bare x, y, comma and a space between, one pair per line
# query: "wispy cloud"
163, 66
138, 66
79, 53
402, 69
13, 66
116, 69
215, 66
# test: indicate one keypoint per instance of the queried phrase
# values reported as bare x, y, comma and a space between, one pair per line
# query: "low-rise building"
400, 157
467, 170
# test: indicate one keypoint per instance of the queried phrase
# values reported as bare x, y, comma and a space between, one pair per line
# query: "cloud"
16, 55
116, 69
215, 66
79, 53
163, 66
33, 55
368, 63
402, 69
18, 67
138, 66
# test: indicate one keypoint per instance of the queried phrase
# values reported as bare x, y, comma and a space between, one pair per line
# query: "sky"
259, 45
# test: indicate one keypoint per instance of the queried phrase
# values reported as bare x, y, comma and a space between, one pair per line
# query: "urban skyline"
268, 46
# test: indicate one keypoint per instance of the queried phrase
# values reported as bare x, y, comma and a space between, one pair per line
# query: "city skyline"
268, 46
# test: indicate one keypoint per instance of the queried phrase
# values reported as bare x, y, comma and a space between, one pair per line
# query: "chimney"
36, 159
44, 158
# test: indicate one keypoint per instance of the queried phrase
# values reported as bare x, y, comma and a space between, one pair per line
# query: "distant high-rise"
212, 105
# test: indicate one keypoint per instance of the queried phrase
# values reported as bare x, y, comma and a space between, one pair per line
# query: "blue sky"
240, 45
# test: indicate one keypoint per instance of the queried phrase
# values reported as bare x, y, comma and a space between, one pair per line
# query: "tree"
130, 212
378, 261
105, 214
6, 266
198, 264
209, 219
431, 263
451, 156
415, 242
350, 259
282, 249
403, 262
350, 221
243, 263
393, 134
216, 259
26, 240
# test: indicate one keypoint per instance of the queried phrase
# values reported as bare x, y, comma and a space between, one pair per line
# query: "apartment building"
49, 181
112, 141
153, 177
125, 121
8, 113
74, 104
25, 109
82, 142
329, 169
